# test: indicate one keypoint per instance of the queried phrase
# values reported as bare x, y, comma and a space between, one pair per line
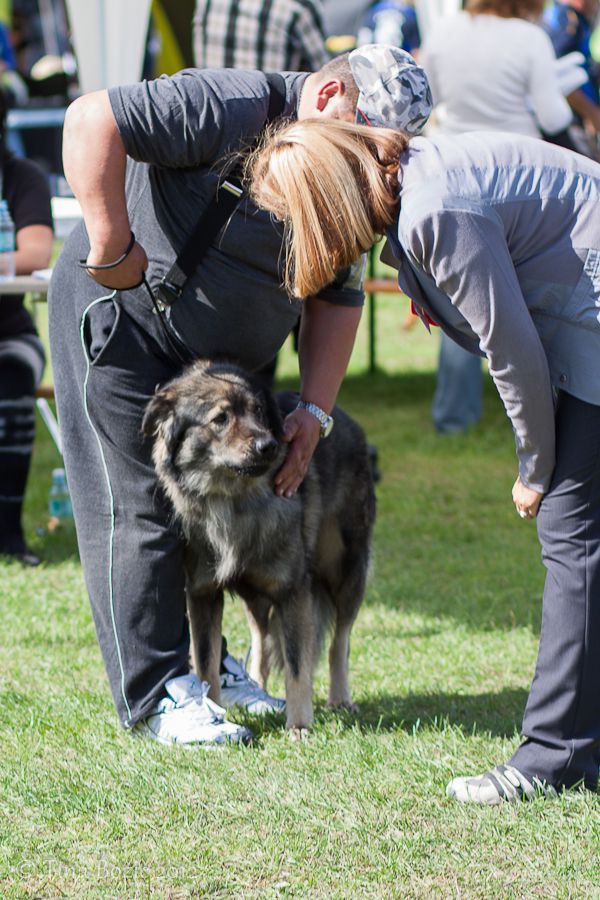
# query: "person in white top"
491, 68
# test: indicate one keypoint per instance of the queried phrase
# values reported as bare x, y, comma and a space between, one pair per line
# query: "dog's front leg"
298, 619
205, 613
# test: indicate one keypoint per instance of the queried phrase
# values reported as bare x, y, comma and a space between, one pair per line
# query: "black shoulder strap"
276, 96
217, 213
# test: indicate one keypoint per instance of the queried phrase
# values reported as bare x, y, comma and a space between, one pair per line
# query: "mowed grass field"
442, 655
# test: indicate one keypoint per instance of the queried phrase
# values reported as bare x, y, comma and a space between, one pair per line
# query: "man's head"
378, 84
330, 92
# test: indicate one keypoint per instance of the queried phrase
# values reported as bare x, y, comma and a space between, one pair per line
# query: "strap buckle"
167, 292
236, 189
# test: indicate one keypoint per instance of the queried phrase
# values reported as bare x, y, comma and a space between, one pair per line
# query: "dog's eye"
220, 420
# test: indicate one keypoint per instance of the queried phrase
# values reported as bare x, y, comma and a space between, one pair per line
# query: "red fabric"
425, 317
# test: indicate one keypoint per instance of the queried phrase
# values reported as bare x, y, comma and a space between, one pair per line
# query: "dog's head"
214, 428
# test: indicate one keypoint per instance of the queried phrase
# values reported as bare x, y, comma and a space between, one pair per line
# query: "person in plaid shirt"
270, 35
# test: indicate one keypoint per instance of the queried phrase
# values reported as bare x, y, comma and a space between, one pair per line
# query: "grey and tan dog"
298, 564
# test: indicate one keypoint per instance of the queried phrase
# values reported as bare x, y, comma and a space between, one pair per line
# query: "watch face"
326, 427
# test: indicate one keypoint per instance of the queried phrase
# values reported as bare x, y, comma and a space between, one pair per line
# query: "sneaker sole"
141, 731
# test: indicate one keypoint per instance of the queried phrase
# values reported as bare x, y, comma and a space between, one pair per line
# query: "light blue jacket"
498, 240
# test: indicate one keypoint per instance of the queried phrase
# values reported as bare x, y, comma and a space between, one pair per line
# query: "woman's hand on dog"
126, 275
302, 432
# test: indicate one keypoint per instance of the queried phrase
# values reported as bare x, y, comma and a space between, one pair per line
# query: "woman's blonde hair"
335, 187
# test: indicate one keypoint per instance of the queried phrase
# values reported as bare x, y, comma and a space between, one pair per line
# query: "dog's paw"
298, 734
346, 705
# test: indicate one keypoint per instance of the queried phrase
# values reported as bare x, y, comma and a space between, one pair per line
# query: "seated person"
25, 189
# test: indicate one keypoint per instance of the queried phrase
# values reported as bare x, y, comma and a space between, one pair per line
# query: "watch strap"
325, 420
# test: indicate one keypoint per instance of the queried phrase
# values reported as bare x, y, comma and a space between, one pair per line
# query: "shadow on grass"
496, 714
402, 389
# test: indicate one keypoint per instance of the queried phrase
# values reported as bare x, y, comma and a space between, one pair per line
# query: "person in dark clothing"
25, 190
570, 25
144, 162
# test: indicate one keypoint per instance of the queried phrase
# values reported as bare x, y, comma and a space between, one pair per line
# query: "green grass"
442, 655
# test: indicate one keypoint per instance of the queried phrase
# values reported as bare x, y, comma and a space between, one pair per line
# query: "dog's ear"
162, 420
157, 412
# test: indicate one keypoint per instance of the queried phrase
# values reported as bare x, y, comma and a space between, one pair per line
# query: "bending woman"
496, 238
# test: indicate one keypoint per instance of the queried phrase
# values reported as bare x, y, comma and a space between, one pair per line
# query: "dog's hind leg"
205, 613
347, 600
339, 651
298, 625
257, 614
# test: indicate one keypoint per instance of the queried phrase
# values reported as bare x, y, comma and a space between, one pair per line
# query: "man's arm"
585, 108
94, 160
327, 333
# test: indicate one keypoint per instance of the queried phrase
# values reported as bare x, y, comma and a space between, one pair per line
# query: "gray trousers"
106, 368
561, 726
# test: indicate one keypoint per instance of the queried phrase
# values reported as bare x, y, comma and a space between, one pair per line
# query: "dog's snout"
265, 446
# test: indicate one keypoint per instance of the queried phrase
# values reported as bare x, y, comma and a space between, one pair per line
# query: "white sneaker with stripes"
503, 783
188, 717
238, 689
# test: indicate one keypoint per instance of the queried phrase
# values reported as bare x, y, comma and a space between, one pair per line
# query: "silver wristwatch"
325, 421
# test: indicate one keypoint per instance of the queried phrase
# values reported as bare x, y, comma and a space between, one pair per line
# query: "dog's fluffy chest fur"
236, 538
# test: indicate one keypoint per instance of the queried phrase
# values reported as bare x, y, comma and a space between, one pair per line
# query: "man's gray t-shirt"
177, 132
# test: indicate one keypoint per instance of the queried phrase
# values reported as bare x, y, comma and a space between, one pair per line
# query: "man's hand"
302, 431
526, 500
126, 275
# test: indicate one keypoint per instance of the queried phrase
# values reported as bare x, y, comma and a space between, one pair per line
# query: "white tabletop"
24, 284
66, 213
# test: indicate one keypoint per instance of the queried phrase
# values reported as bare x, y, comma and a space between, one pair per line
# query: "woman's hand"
302, 431
126, 275
526, 500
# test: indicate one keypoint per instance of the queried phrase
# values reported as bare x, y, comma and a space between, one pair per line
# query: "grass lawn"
442, 656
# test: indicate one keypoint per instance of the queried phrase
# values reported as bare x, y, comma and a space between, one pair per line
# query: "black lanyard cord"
174, 343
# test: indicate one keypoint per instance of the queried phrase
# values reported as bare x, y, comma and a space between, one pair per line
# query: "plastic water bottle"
7, 243
59, 501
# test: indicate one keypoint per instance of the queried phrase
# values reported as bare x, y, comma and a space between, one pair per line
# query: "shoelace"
201, 697
243, 680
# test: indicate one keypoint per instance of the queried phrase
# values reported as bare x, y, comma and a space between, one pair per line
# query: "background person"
491, 67
270, 35
570, 27
391, 22
143, 158
25, 189
497, 238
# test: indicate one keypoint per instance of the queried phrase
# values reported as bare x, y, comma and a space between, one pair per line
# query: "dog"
299, 564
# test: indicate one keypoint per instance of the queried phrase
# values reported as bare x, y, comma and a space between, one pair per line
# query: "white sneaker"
238, 689
187, 716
